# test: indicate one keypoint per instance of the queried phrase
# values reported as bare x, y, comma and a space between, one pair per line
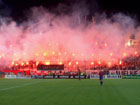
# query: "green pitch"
69, 92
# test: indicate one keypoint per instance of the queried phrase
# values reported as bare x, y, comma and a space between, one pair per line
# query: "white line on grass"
19, 86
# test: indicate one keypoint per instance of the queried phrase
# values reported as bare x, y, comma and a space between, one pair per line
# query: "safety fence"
106, 76
72, 77
16, 77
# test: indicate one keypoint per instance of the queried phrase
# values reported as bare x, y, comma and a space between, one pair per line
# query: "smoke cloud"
47, 36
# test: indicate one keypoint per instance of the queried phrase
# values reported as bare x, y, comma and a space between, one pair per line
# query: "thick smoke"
46, 36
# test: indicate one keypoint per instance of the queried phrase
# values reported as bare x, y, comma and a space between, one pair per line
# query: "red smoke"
64, 39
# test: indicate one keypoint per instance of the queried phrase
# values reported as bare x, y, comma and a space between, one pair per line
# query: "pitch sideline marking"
19, 86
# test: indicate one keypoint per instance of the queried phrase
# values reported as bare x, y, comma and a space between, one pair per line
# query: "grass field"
69, 92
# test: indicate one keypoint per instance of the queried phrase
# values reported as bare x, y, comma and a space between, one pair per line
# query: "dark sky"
16, 8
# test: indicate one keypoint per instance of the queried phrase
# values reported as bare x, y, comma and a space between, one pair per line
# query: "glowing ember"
60, 63
77, 62
92, 63
73, 54
59, 54
99, 62
129, 43
69, 63
37, 63
36, 54
13, 63
136, 53
111, 54
27, 63
120, 62
105, 44
47, 63
53, 53
44, 54
124, 54
109, 64
22, 63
